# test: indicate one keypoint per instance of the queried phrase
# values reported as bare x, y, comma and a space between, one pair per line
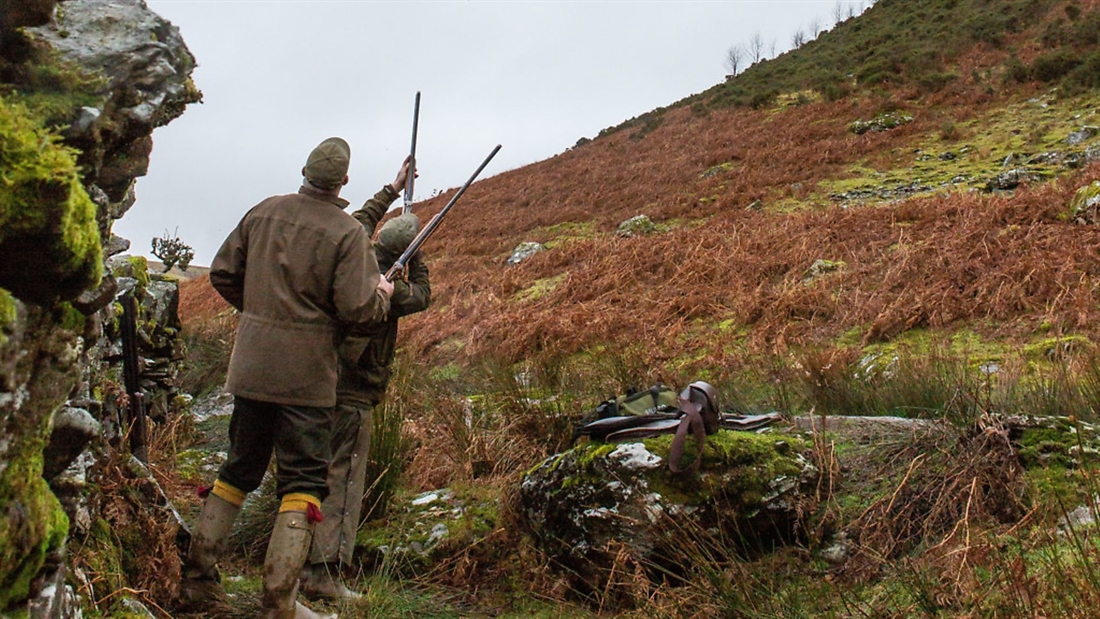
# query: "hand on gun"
398, 183
386, 286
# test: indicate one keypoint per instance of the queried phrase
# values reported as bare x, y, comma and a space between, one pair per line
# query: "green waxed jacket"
368, 350
298, 268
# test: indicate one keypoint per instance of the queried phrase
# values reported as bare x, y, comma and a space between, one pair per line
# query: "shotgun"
131, 372
412, 159
399, 265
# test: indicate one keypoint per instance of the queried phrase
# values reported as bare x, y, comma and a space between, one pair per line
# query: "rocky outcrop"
601, 508
523, 251
85, 87
143, 70
882, 122
638, 225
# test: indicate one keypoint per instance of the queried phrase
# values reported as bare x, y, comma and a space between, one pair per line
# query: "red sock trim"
204, 491
313, 514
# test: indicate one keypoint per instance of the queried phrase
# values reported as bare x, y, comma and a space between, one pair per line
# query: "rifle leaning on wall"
412, 159
399, 265
131, 371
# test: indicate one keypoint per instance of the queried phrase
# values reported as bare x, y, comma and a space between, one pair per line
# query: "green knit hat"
327, 164
398, 232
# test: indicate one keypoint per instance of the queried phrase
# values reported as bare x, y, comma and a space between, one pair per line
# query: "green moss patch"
540, 288
33, 526
49, 238
424, 529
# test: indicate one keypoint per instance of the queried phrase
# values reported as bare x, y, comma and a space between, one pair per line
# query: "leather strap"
691, 421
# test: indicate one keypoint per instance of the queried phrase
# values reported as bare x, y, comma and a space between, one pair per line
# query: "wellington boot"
322, 581
200, 587
286, 554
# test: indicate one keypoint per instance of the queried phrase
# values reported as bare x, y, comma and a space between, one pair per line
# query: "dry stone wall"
83, 84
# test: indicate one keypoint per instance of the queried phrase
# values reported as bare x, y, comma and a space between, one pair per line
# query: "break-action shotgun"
425, 232
412, 159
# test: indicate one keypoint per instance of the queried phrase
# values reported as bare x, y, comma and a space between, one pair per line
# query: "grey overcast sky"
280, 76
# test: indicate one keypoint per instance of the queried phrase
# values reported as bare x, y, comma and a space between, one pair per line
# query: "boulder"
635, 226
598, 504
73, 429
56, 600
524, 251
422, 531
881, 122
1011, 179
1081, 135
821, 267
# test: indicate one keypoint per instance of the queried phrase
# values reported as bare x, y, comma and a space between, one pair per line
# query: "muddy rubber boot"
286, 554
323, 581
200, 586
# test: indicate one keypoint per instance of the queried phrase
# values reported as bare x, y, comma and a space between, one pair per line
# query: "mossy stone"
33, 525
49, 238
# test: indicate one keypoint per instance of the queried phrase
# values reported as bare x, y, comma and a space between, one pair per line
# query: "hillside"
722, 274
953, 224
924, 240
877, 223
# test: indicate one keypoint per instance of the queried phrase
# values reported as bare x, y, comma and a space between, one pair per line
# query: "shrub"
1054, 65
935, 82
1086, 74
1017, 71
763, 99
1087, 31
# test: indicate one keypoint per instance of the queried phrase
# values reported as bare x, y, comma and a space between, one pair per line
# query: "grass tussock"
130, 550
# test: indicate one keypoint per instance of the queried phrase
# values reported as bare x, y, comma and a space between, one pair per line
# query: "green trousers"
334, 537
299, 436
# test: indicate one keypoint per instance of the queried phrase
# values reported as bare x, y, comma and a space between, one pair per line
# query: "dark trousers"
300, 436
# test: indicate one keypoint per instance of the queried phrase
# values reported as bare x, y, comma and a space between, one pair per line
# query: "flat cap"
327, 164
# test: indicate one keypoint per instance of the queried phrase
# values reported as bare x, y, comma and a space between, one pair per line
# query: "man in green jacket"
365, 359
297, 268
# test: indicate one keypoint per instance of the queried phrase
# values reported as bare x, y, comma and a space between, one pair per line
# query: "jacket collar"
322, 196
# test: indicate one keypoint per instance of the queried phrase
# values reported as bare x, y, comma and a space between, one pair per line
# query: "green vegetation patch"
35, 524
423, 529
565, 233
45, 214
1062, 458
889, 43
540, 288
1041, 138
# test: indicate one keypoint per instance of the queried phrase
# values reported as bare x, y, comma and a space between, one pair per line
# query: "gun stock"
425, 232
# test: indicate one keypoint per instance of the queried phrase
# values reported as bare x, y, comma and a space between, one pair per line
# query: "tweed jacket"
300, 270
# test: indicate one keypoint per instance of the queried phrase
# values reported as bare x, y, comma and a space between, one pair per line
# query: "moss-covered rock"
33, 522
599, 504
881, 122
49, 238
639, 225
427, 528
8, 314
1084, 208
37, 372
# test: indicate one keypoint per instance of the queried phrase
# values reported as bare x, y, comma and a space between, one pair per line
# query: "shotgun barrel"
412, 158
425, 232
131, 368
